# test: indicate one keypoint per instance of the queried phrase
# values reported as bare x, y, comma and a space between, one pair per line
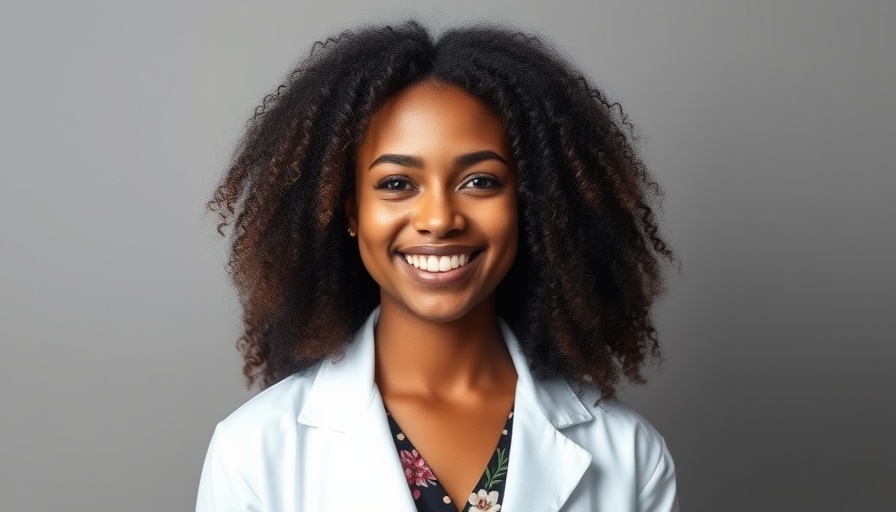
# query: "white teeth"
434, 263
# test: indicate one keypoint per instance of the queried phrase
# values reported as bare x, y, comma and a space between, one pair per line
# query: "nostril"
438, 221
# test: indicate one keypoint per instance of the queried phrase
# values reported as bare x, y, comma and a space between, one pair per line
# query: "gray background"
770, 125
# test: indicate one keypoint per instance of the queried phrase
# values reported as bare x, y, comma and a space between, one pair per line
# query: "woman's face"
435, 204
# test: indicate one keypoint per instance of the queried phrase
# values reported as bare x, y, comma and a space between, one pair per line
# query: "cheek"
503, 228
378, 226
376, 215
379, 229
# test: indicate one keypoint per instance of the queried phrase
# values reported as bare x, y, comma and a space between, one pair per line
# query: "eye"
394, 183
482, 181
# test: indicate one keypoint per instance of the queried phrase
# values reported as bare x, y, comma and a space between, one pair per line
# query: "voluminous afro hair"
589, 264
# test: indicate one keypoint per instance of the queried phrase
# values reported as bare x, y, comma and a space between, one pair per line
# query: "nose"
436, 214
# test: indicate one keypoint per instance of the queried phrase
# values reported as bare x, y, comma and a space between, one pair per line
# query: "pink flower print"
415, 469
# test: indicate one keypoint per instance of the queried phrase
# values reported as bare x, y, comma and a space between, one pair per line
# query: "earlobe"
351, 213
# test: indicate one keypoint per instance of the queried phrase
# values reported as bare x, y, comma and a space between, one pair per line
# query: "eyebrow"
476, 157
464, 160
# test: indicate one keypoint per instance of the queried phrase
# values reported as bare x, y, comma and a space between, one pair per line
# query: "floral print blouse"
429, 496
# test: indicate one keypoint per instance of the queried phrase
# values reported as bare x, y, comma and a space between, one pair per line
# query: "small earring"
351, 233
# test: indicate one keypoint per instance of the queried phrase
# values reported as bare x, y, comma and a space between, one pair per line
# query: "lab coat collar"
545, 465
344, 385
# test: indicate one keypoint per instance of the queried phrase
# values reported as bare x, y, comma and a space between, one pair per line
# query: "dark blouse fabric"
429, 496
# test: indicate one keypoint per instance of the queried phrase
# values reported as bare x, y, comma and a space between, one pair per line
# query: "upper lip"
439, 250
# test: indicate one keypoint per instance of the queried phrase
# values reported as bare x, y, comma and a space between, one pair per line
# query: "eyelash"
495, 181
384, 183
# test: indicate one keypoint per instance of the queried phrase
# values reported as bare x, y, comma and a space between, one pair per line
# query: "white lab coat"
320, 442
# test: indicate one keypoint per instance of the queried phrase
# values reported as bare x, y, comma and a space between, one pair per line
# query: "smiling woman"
446, 254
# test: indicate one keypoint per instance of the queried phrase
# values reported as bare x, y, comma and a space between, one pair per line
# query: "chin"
442, 311
440, 314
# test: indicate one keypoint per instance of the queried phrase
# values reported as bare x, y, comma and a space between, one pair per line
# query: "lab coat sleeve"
659, 494
222, 487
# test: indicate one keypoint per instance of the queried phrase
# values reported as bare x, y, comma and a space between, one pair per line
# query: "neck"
440, 359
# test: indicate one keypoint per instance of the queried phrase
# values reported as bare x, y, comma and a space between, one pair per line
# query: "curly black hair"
590, 261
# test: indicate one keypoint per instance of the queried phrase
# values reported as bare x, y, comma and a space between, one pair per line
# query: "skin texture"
441, 365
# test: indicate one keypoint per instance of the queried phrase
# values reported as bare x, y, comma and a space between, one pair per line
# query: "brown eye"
394, 183
481, 182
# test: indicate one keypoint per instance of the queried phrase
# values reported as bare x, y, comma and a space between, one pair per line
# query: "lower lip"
438, 278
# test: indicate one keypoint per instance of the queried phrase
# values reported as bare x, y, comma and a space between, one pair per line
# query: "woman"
446, 255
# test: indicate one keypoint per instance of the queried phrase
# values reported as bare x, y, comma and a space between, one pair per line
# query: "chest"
307, 468
457, 442
344, 478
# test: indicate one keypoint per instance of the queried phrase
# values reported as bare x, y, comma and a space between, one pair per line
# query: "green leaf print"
492, 478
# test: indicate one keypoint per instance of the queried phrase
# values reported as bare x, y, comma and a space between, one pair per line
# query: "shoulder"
620, 419
272, 411
626, 424
612, 416
234, 475
264, 419
620, 437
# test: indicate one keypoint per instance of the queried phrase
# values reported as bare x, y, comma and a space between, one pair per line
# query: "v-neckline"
430, 496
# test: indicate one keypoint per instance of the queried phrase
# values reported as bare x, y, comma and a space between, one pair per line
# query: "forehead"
433, 116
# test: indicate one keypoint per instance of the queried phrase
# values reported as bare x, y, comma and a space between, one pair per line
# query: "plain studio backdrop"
770, 124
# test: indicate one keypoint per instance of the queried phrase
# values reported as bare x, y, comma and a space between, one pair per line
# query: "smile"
447, 267
432, 263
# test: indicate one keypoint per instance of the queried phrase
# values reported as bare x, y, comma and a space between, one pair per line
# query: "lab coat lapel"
345, 400
379, 482
545, 466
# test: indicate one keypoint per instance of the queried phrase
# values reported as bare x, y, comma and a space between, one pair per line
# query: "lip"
439, 278
439, 250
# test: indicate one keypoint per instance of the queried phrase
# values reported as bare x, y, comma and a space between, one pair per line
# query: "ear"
351, 212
